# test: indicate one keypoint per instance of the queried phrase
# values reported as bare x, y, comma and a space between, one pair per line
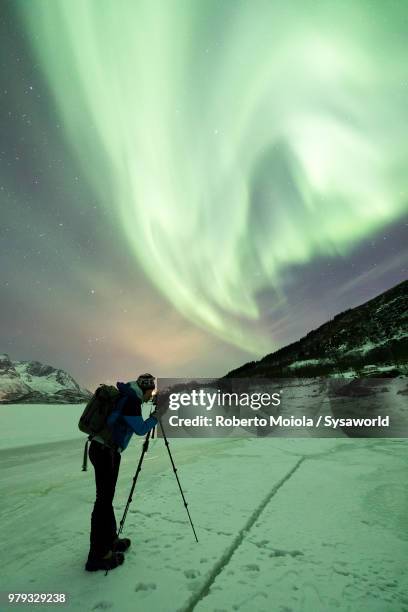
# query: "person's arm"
139, 426
132, 414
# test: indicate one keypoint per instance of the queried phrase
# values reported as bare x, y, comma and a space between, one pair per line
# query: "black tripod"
138, 469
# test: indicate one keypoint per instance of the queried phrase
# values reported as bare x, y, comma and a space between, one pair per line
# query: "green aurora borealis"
237, 145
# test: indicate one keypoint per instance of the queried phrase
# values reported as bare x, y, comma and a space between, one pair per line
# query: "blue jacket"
127, 417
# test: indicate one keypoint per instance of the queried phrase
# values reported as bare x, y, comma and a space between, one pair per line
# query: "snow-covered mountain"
371, 339
32, 382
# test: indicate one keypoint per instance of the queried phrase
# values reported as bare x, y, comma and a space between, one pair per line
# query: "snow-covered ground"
25, 424
285, 525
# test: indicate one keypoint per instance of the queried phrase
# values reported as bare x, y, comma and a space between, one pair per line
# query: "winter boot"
120, 544
108, 562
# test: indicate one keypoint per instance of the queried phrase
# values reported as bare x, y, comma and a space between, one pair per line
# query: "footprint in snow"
191, 573
145, 586
282, 553
103, 605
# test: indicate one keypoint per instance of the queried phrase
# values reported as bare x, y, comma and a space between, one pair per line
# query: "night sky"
188, 185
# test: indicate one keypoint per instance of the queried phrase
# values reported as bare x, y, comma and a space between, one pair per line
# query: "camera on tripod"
159, 405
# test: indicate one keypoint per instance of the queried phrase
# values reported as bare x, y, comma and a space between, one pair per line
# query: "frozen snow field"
285, 525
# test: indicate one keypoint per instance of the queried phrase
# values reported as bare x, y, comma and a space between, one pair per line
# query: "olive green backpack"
94, 418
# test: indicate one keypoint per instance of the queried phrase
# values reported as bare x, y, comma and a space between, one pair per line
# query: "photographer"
106, 550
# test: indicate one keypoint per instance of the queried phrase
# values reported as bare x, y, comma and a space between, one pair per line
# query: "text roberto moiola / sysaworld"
277, 421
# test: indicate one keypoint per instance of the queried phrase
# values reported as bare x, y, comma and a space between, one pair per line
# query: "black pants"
103, 523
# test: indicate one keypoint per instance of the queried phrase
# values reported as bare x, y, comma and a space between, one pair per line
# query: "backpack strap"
85, 459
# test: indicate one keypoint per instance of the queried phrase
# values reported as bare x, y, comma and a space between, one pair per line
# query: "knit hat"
146, 381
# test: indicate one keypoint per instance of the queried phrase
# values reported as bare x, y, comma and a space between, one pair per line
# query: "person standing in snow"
106, 550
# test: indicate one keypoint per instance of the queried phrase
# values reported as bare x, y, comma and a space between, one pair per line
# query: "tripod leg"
139, 467
177, 478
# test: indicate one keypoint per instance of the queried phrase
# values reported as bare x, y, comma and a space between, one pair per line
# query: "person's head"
147, 385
